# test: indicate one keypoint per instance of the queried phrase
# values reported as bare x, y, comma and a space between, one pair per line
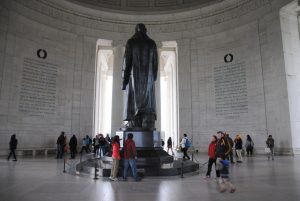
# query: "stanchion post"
80, 162
96, 170
193, 156
64, 166
181, 173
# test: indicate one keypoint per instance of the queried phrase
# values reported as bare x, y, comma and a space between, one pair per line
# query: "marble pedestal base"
148, 146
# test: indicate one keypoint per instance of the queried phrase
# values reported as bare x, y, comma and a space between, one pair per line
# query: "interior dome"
144, 6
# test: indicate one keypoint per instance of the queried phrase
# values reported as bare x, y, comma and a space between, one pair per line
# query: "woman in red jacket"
212, 157
116, 158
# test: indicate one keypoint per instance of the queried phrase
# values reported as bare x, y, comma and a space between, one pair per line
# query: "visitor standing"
270, 144
238, 148
13, 146
88, 143
116, 158
249, 145
84, 141
97, 146
102, 145
230, 141
108, 143
212, 157
185, 146
73, 146
223, 146
107, 138
130, 157
170, 146
60, 145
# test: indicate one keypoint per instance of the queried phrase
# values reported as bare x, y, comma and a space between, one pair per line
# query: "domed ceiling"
144, 6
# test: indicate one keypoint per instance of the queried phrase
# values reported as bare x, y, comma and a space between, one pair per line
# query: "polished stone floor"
42, 179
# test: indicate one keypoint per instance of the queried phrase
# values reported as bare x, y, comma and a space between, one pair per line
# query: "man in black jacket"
73, 146
223, 146
13, 146
60, 145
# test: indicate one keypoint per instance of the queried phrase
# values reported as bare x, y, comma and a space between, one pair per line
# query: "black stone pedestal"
148, 146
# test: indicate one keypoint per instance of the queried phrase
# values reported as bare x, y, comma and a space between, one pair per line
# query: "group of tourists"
185, 144
220, 153
62, 146
130, 157
102, 145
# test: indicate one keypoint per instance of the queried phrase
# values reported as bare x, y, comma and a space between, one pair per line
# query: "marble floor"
42, 179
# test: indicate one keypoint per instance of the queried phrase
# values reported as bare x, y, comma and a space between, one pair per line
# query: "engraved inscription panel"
231, 89
38, 87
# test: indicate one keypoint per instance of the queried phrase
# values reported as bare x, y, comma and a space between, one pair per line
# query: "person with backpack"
185, 145
13, 146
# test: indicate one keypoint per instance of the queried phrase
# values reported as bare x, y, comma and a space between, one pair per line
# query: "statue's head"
140, 28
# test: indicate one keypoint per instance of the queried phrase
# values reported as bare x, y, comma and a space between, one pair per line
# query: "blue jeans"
132, 164
103, 150
60, 151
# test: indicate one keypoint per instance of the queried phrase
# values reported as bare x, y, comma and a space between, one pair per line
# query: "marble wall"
291, 47
247, 95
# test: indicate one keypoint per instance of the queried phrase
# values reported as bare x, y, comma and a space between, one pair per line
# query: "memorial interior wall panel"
228, 86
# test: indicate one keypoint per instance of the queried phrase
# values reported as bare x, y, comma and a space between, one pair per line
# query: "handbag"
66, 149
267, 150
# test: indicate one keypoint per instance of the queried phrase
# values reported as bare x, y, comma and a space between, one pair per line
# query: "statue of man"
139, 72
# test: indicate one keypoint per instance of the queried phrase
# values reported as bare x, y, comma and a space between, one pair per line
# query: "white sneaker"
206, 177
114, 179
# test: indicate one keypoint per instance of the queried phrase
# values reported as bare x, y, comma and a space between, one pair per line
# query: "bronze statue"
139, 72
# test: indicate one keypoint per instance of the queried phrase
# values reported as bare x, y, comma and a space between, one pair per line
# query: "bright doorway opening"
103, 87
168, 92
